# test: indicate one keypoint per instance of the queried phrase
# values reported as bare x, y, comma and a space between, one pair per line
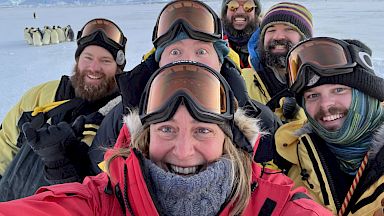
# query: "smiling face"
94, 76
183, 145
328, 104
190, 49
239, 19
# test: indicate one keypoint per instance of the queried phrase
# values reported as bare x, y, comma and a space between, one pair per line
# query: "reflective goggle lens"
195, 15
248, 6
109, 28
321, 53
202, 86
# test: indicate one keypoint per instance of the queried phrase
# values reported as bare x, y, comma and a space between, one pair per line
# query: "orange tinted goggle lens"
202, 86
194, 13
323, 54
109, 28
234, 5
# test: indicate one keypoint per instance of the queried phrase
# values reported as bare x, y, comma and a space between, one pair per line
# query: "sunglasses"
323, 56
248, 6
196, 18
204, 91
107, 27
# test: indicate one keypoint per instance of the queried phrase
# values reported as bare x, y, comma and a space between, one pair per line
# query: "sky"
23, 66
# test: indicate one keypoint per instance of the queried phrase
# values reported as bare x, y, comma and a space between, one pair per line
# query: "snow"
23, 66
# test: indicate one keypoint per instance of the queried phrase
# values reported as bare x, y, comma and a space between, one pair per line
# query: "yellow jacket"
309, 167
260, 93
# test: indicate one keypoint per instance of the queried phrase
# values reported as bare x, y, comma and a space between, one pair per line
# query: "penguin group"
48, 35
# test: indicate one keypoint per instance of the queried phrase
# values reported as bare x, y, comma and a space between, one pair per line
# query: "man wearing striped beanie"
283, 25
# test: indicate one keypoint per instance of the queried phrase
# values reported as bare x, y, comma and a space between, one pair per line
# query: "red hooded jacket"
125, 193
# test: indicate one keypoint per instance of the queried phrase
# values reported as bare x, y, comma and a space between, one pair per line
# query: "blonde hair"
241, 163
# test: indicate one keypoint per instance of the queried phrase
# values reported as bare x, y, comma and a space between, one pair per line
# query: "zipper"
318, 173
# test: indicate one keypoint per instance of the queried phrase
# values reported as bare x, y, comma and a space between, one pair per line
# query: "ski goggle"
110, 31
322, 56
202, 90
196, 18
248, 6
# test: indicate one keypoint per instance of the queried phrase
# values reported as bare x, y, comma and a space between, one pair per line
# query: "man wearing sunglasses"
240, 19
284, 25
338, 154
49, 130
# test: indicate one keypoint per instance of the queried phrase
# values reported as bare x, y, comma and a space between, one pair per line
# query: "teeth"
279, 47
333, 117
183, 170
240, 19
93, 77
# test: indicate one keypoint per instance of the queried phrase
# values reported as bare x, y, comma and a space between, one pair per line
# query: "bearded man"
240, 18
53, 124
284, 25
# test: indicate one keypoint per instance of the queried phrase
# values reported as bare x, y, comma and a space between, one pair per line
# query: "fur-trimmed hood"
250, 127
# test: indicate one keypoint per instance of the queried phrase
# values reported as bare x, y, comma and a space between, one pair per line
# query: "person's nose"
95, 65
279, 35
326, 101
184, 147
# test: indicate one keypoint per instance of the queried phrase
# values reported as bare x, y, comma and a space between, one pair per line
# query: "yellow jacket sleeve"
9, 133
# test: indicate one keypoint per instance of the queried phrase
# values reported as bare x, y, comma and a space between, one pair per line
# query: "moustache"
288, 44
331, 110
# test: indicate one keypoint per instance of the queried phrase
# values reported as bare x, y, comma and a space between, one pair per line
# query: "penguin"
54, 36
47, 36
28, 35
36, 37
61, 34
69, 34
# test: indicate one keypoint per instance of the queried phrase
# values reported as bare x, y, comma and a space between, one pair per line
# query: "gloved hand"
290, 107
59, 146
232, 75
50, 141
132, 83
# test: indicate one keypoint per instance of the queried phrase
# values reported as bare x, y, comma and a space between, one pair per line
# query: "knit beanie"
220, 46
117, 51
224, 8
363, 77
294, 15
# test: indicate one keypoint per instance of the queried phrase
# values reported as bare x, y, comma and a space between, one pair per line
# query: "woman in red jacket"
187, 151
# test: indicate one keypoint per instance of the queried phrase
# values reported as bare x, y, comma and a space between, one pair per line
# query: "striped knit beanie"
291, 14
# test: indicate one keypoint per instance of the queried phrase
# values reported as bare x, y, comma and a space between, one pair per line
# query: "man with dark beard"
284, 25
240, 19
49, 130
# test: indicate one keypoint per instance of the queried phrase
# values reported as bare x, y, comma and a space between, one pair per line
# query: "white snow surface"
23, 66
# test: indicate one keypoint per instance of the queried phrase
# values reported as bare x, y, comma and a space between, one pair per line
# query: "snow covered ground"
23, 66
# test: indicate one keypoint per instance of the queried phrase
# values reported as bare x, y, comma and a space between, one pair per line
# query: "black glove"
132, 83
290, 107
50, 141
235, 80
59, 146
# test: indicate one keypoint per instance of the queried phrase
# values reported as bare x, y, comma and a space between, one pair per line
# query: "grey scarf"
200, 194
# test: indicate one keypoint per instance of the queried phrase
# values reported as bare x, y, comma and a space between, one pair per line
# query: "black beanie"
117, 51
362, 78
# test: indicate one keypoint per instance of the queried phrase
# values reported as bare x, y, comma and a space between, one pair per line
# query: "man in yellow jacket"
284, 25
338, 155
40, 134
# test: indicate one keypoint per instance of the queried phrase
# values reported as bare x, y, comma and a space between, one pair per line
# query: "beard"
276, 60
247, 31
91, 92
